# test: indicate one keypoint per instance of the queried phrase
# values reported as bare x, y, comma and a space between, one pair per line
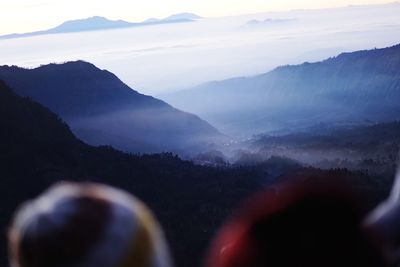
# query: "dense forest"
38, 149
102, 110
191, 201
355, 87
374, 148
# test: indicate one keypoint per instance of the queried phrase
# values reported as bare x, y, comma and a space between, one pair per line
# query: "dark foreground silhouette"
297, 225
88, 225
292, 224
191, 202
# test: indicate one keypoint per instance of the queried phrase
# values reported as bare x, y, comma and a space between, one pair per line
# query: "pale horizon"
21, 16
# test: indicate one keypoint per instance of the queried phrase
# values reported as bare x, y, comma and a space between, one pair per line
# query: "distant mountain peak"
151, 20
94, 18
87, 24
102, 23
183, 16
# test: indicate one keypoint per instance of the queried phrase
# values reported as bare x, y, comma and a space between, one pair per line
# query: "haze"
163, 58
31, 15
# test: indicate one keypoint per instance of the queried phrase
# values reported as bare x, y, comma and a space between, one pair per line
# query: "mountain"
362, 86
102, 110
191, 202
176, 18
182, 16
89, 24
79, 25
368, 147
38, 149
101, 23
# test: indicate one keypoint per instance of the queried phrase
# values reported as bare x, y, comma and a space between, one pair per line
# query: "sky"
19, 16
170, 57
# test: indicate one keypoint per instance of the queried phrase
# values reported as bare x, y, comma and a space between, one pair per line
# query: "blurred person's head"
296, 225
384, 224
86, 225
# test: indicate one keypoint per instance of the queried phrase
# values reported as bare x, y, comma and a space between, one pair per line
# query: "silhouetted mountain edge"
353, 87
191, 201
101, 23
102, 110
38, 149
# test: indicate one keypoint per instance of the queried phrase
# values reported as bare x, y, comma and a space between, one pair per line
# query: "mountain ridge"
353, 86
39, 149
96, 23
102, 110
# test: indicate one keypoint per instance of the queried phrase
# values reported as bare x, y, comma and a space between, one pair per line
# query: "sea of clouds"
163, 58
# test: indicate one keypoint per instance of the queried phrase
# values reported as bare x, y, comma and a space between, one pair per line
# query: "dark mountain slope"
103, 110
32, 136
38, 149
358, 86
191, 201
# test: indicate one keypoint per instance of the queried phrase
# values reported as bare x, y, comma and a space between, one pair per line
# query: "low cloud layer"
162, 58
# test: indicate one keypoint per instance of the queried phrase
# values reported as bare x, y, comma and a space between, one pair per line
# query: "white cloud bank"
157, 59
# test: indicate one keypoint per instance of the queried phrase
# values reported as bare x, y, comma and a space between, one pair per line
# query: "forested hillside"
190, 201
102, 110
356, 87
